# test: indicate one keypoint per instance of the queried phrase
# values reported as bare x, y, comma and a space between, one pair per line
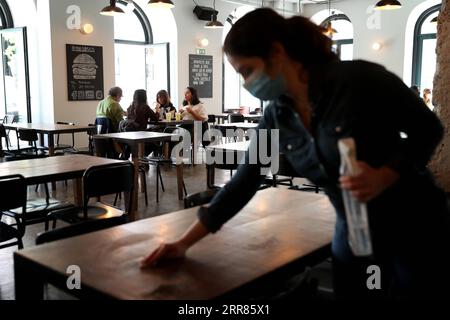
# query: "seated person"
109, 108
164, 105
138, 116
139, 113
192, 108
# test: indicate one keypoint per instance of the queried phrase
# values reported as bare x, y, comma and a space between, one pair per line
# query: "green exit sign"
201, 51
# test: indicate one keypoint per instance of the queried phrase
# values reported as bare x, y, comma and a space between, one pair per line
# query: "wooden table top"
235, 146
239, 125
138, 136
268, 234
52, 168
173, 122
50, 127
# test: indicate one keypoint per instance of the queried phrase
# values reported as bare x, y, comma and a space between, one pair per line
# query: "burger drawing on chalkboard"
84, 67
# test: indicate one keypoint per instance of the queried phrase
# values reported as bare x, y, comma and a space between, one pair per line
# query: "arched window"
133, 35
6, 20
424, 49
234, 94
343, 38
14, 75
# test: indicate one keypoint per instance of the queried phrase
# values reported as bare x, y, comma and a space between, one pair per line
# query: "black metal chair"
30, 136
13, 189
211, 118
197, 199
79, 229
157, 161
65, 147
235, 117
100, 181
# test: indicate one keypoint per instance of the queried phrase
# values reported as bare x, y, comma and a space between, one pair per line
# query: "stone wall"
440, 164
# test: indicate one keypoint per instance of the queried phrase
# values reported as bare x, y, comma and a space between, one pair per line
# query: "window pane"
14, 73
249, 101
346, 52
156, 66
130, 70
231, 87
428, 63
427, 26
128, 27
344, 29
2, 91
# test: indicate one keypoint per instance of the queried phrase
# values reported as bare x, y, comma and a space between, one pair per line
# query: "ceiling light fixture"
388, 5
161, 4
214, 24
111, 10
329, 30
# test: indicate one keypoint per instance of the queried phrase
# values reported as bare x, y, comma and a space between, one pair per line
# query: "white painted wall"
190, 29
82, 112
391, 32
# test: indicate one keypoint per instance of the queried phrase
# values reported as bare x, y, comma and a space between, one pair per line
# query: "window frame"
340, 42
418, 44
5, 16
145, 23
230, 21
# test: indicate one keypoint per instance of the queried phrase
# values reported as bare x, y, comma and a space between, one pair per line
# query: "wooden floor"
195, 179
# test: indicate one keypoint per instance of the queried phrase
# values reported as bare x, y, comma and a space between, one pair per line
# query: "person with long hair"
164, 104
192, 108
139, 113
315, 101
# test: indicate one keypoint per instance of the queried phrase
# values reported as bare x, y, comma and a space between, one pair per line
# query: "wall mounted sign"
201, 74
84, 72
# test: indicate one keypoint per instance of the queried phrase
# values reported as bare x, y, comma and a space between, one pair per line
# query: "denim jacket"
351, 99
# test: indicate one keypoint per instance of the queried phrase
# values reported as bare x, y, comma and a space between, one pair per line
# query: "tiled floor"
195, 179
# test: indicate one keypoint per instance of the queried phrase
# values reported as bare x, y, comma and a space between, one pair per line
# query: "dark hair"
254, 34
195, 99
163, 93
115, 92
416, 90
139, 98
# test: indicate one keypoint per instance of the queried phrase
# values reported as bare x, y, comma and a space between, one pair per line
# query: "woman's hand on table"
164, 251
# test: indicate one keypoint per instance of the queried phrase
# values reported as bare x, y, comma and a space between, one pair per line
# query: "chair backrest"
11, 118
235, 117
29, 135
79, 229
108, 179
13, 189
199, 198
211, 118
106, 125
3, 131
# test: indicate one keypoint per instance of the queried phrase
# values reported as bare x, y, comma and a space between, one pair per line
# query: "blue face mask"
265, 88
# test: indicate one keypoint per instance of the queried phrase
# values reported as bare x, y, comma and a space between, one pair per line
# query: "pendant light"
388, 5
329, 30
111, 10
162, 4
214, 24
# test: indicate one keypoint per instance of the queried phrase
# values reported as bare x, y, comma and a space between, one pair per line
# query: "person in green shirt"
110, 108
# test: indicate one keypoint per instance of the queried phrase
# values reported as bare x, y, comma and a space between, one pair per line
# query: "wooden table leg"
180, 181
136, 151
78, 192
51, 153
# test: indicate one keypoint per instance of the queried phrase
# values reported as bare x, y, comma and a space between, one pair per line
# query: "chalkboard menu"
201, 74
84, 72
